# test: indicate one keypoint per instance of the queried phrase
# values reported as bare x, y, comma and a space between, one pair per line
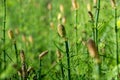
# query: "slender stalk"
68, 59
40, 70
62, 70
116, 39
4, 27
50, 31
16, 51
96, 34
96, 21
76, 11
93, 31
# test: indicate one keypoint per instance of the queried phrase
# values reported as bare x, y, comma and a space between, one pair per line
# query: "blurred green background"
35, 29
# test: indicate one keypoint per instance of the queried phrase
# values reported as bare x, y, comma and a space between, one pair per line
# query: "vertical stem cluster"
4, 27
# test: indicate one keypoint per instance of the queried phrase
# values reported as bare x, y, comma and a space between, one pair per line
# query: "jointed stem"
62, 71
96, 21
40, 69
116, 33
96, 33
68, 59
16, 52
4, 27
76, 31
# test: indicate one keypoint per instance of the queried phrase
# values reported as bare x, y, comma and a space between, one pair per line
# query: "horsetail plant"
113, 2
49, 7
93, 52
12, 37
62, 34
4, 31
96, 20
75, 8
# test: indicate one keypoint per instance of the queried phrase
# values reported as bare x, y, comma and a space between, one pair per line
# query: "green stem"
96, 33
68, 59
16, 52
98, 65
4, 27
62, 70
76, 30
50, 36
40, 70
116, 37
96, 21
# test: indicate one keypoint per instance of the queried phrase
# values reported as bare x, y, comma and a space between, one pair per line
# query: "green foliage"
30, 21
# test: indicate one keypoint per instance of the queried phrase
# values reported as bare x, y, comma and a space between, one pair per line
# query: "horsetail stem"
40, 69
68, 58
96, 22
96, 31
116, 34
75, 8
4, 31
49, 7
76, 15
62, 33
93, 52
16, 50
12, 37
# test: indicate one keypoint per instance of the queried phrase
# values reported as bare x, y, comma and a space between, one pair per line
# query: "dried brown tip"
61, 8
92, 48
22, 56
89, 11
29, 70
10, 34
75, 5
49, 6
91, 15
61, 31
43, 54
113, 3
58, 53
